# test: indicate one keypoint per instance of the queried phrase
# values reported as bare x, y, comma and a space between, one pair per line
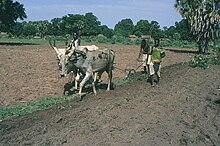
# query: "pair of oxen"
87, 61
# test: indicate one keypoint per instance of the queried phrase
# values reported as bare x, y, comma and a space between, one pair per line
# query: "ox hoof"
78, 98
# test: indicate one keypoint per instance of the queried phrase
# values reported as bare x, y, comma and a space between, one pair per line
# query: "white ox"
89, 63
63, 51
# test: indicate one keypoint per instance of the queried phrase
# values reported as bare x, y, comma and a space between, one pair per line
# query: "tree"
183, 28
9, 12
73, 23
29, 29
169, 32
56, 27
17, 29
204, 19
125, 27
91, 26
143, 27
103, 29
41, 27
154, 29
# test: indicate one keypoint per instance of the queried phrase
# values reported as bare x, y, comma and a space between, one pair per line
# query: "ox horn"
54, 47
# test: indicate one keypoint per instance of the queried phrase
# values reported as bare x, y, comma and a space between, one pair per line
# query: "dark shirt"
145, 47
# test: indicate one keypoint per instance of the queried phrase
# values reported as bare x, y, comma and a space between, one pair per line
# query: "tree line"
200, 23
88, 24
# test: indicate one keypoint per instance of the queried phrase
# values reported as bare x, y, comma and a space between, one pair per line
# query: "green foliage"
154, 29
200, 61
9, 12
125, 27
23, 40
56, 27
118, 39
29, 29
102, 39
215, 61
43, 103
138, 33
91, 26
88, 25
177, 43
72, 23
204, 19
181, 31
130, 80
106, 31
143, 27
216, 53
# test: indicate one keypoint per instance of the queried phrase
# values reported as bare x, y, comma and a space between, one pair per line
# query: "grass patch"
30, 41
21, 41
130, 79
119, 40
46, 102
122, 102
31, 106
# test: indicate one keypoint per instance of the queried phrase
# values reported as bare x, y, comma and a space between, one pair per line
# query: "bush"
177, 43
200, 61
102, 39
215, 61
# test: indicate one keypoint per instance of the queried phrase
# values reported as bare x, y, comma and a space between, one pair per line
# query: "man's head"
75, 36
156, 42
143, 43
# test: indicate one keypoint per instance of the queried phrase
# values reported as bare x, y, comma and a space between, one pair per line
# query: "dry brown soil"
184, 110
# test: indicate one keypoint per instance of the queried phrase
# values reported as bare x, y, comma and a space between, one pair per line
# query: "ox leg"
94, 83
77, 78
109, 80
85, 79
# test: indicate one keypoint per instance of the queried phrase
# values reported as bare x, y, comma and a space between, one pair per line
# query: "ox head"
64, 59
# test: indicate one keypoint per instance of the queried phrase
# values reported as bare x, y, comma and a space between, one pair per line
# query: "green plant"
200, 61
130, 80
41, 104
215, 61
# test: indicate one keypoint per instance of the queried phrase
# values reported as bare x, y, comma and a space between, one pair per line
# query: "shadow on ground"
16, 43
183, 51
